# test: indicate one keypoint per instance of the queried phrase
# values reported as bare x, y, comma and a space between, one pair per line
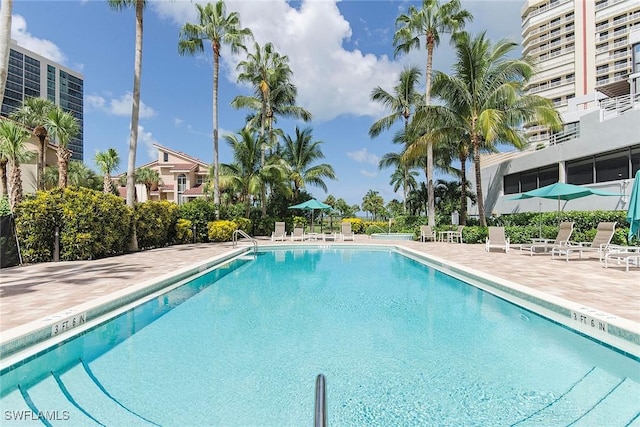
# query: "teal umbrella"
633, 214
311, 205
561, 191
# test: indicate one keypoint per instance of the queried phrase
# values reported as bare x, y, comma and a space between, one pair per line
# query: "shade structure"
633, 214
311, 205
562, 191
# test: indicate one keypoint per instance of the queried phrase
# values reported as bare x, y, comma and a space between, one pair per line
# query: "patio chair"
456, 235
346, 233
623, 255
497, 239
426, 233
600, 243
279, 233
546, 245
297, 234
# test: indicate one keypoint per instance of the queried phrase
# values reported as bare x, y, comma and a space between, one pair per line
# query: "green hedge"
200, 212
222, 230
156, 223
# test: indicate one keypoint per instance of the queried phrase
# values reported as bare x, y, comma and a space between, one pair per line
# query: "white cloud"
147, 140
118, 107
331, 80
363, 156
178, 121
27, 40
368, 173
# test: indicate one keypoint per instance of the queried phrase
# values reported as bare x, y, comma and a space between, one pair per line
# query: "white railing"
564, 136
613, 107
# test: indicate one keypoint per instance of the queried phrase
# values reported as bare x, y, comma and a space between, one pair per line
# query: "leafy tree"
78, 175
13, 138
63, 127
345, 209
219, 28
107, 161
431, 20
373, 202
149, 177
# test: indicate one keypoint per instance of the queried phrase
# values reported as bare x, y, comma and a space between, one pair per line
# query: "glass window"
182, 185
528, 180
635, 160
580, 171
165, 157
512, 184
610, 167
548, 176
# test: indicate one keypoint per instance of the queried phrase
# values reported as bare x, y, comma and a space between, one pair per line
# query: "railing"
613, 107
320, 413
564, 136
245, 235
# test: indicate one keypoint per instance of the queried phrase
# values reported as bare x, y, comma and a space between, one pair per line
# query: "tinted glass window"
512, 184
580, 172
612, 166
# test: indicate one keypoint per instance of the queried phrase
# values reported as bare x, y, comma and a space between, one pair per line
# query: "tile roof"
194, 191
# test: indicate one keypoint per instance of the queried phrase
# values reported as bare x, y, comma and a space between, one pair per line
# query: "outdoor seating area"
346, 233
544, 246
497, 239
622, 255
599, 245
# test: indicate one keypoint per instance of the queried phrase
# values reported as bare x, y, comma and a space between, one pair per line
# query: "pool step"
596, 399
16, 412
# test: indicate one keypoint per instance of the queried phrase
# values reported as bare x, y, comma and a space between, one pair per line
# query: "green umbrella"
562, 191
311, 205
633, 214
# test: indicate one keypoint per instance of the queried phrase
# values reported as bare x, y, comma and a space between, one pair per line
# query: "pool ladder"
320, 413
246, 236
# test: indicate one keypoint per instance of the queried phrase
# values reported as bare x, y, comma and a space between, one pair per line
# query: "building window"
182, 186
635, 161
165, 157
530, 180
548, 176
512, 184
610, 167
580, 172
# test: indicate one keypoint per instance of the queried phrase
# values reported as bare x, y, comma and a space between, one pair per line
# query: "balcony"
565, 135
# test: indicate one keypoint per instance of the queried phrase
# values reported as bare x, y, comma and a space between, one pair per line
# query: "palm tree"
432, 20
63, 127
299, 155
149, 177
3, 174
139, 6
78, 175
484, 100
13, 138
33, 113
5, 39
373, 202
220, 29
107, 161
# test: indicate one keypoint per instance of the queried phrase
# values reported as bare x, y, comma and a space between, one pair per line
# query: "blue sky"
338, 52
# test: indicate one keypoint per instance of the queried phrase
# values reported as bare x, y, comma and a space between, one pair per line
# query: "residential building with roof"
182, 177
588, 61
33, 76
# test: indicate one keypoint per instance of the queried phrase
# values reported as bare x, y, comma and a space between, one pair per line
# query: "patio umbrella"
311, 205
562, 191
633, 214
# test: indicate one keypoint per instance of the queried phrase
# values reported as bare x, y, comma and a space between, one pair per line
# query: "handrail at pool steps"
320, 413
246, 236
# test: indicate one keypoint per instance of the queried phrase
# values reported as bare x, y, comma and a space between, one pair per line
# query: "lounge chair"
623, 255
427, 233
600, 243
346, 233
326, 237
546, 245
497, 239
456, 235
279, 233
297, 234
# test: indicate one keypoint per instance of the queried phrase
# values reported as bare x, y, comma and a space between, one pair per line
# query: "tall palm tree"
402, 103
13, 138
3, 174
300, 155
149, 177
139, 6
78, 175
107, 161
219, 28
484, 100
432, 20
63, 127
33, 113
5, 39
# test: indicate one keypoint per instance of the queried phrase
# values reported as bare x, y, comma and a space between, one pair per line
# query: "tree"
3, 174
6, 8
402, 104
484, 100
299, 155
107, 161
13, 138
373, 202
33, 113
220, 29
149, 177
63, 127
432, 20
79, 175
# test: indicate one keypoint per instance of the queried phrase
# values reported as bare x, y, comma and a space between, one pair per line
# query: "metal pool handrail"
246, 236
320, 417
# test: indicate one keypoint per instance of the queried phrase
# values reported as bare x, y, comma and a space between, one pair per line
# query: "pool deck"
31, 292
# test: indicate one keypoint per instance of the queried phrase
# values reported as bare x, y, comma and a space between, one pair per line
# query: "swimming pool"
399, 343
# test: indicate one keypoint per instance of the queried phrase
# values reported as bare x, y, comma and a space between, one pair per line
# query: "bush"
221, 231
371, 227
357, 224
155, 223
243, 224
200, 212
184, 231
5, 209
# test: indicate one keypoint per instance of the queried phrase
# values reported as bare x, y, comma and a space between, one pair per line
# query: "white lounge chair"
427, 233
600, 243
497, 239
546, 245
297, 234
279, 233
622, 255
346, 233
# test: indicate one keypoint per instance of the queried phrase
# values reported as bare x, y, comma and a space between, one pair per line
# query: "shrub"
243, 224
184, 232
221, 231
200, 212
155, 223
371, 227
357, 224
5, 209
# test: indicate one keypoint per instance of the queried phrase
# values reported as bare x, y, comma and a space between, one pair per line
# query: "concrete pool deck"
32, 292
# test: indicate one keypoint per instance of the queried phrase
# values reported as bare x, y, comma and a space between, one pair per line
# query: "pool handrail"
246, 236
320, 413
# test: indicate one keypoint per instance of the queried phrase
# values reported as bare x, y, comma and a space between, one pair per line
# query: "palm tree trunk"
3, 176
476, 166
41, 133
5, 42
427, 100
63, 166
216, 166
463, 196
106, 184
15, 195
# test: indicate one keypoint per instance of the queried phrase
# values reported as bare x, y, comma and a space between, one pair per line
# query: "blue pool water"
399, 343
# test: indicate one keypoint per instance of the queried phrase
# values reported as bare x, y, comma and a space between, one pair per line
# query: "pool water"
399, 343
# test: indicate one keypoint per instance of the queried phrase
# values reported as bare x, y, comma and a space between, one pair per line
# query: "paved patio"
31, 292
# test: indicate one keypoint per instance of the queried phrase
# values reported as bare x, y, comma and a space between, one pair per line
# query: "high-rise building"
32, 75
587, 54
